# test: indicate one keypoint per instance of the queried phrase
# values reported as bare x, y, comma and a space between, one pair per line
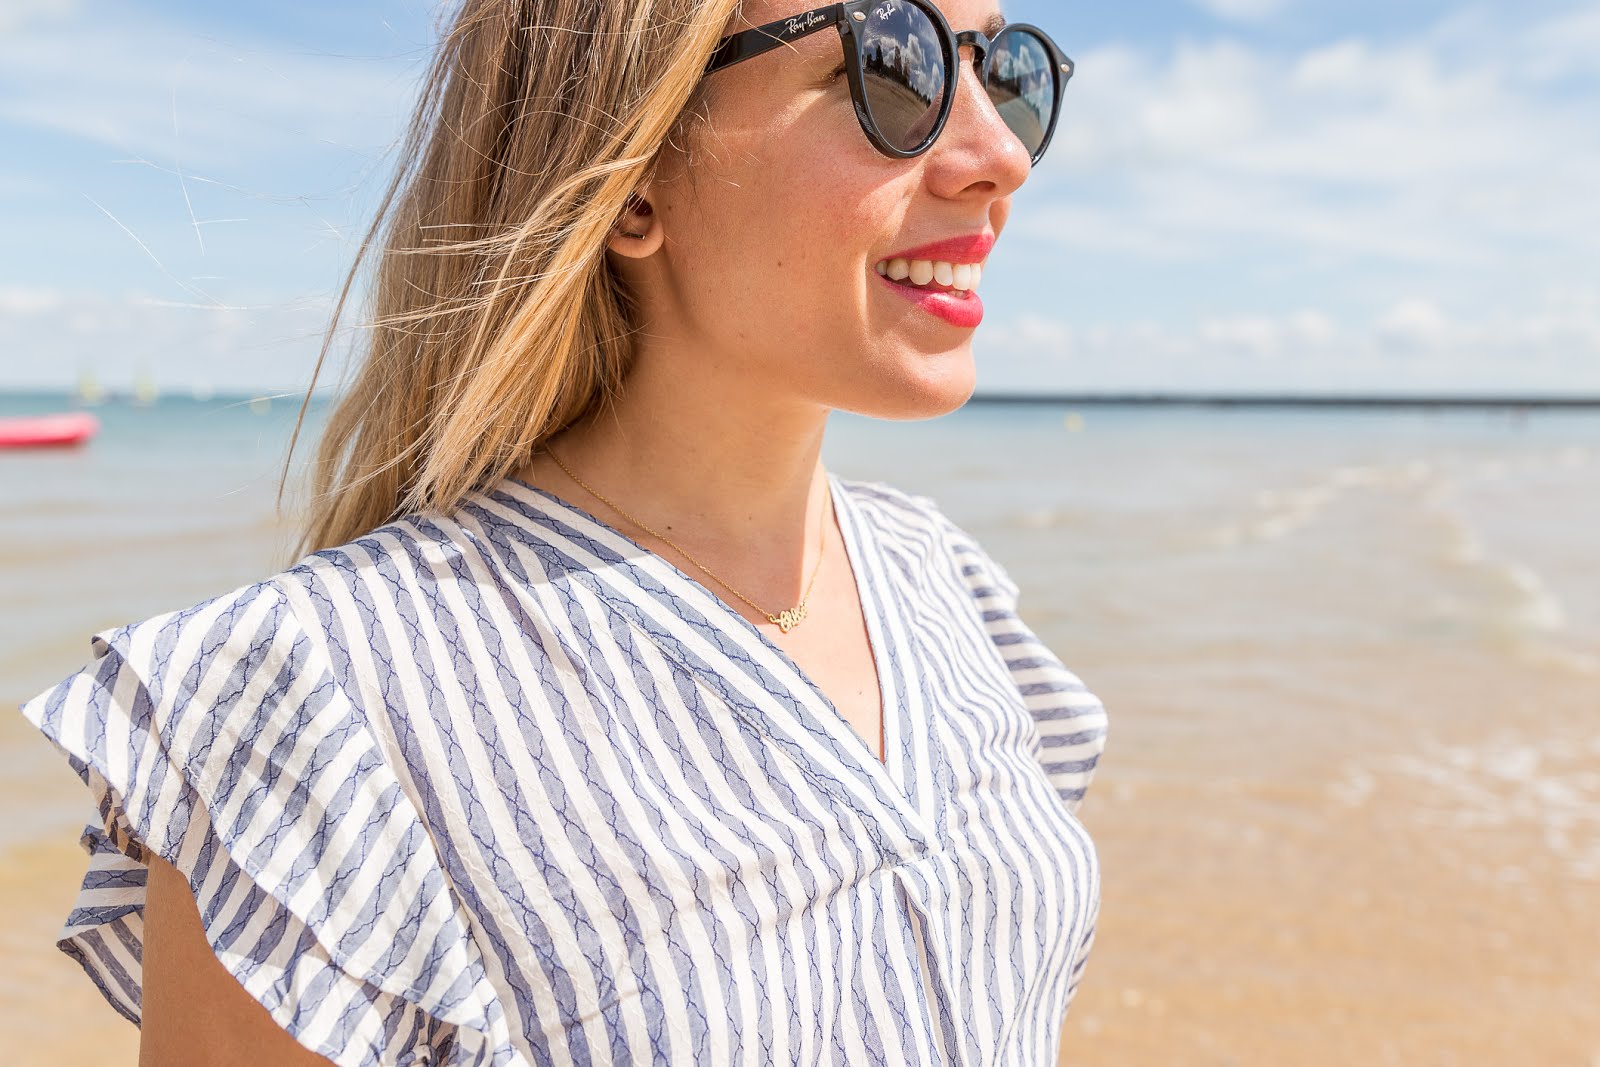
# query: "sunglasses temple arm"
738, 47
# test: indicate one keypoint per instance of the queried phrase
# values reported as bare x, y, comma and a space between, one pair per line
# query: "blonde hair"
497, 320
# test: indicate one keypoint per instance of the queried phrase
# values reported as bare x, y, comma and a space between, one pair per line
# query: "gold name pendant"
789, 619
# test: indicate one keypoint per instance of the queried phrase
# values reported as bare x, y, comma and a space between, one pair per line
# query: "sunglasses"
902, 58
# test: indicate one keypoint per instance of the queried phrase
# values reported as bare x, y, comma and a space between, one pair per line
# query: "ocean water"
1351, 659
1300, 525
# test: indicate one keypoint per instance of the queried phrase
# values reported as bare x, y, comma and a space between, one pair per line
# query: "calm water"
1342, 650
1198, 526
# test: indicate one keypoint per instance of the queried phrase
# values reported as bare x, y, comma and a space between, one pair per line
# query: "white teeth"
954, 275
964, 277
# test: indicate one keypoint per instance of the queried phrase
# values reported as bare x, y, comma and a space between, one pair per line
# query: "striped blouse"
504, 787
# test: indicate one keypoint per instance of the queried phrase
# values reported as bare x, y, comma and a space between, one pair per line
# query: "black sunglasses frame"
747, 44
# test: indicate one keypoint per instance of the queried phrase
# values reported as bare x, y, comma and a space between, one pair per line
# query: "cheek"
780, 225
789, 232
791, 182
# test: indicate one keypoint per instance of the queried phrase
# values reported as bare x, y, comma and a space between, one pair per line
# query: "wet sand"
1301, 911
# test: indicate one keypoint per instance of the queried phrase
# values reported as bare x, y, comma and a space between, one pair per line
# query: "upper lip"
971, 248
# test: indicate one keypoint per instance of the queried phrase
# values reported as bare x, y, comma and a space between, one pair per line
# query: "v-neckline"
868, 595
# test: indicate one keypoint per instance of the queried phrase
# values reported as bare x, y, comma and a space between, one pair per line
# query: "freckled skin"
767, 268
761, 312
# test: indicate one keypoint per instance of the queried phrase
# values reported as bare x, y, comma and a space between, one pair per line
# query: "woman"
602, 723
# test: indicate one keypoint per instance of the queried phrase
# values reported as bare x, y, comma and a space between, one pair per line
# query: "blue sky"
1244, 195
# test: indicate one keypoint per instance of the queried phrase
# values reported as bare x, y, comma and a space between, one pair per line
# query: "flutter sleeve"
219, 739
1071, 721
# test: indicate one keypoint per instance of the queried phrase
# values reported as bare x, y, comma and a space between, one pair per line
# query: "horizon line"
1132, 399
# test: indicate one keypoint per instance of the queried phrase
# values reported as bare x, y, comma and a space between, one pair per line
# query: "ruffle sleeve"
1071, 721
219, 739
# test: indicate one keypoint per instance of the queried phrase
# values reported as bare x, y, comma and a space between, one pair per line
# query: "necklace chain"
786, 620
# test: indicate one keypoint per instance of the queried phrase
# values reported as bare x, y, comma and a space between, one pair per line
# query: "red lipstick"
954, 308
973, 248
964, 310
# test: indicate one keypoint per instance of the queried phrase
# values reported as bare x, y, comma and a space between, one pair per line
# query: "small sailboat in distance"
145, 392
89, 390
47, 431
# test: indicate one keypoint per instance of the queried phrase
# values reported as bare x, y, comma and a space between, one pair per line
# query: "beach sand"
45, 995
1375, 901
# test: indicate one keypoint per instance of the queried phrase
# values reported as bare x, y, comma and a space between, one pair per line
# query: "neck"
736, 482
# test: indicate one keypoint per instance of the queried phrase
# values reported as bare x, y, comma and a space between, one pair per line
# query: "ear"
638, 233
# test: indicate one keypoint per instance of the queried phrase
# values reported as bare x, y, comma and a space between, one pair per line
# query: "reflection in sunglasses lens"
1022, 85
904, 72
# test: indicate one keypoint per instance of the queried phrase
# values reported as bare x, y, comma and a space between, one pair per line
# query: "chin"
923, 386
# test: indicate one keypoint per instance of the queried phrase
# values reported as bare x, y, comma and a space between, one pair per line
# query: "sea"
1349, 807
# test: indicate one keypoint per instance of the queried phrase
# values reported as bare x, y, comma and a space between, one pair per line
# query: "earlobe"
637, 233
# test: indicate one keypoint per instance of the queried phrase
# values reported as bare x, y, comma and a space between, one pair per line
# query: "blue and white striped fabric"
506, 788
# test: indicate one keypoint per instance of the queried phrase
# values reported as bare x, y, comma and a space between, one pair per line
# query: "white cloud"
212, 124
50, 339
1413, 325
1430, 151
1564, 44
1412, 347
1254, 335
127, 80
16, 15
20, 301
1399, 212
1213, 102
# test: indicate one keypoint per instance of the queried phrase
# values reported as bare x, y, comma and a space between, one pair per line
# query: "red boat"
46, 431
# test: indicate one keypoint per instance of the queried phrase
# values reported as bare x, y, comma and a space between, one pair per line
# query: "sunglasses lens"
903, 70
1022, 84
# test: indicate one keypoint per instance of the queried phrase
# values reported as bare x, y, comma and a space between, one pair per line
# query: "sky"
1243, 196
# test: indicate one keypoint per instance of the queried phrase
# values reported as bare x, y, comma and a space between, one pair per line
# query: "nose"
976, 150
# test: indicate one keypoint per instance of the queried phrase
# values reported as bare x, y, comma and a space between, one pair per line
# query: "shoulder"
911, 516
922, 523
267, 629
410, 547
244, 704
1070, 722
221, 739
206, 652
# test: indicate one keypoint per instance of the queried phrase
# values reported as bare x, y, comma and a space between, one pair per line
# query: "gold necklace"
786, 621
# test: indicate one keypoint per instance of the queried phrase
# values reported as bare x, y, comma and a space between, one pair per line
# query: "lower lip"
964, 311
